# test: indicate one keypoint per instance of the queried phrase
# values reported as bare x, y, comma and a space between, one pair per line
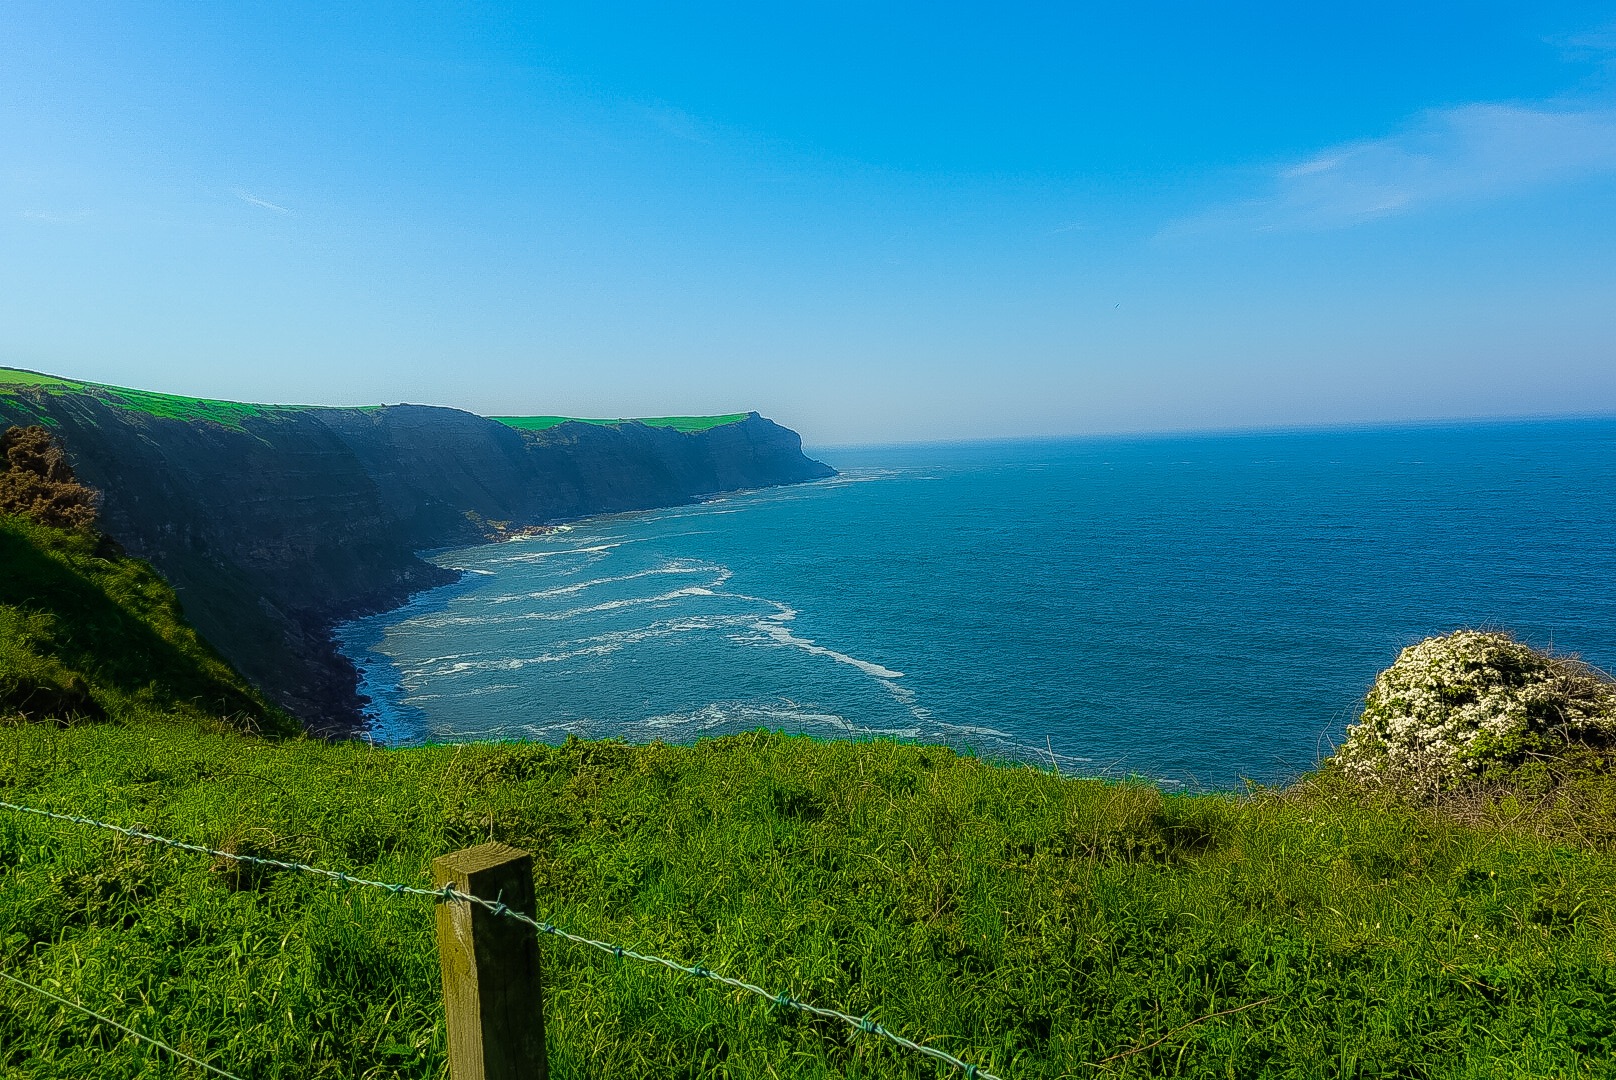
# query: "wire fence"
113, 1023
861, 1023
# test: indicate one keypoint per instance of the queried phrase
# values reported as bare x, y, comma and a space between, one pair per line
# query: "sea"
1202, 611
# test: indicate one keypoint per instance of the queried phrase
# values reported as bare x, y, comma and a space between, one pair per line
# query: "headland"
274, 523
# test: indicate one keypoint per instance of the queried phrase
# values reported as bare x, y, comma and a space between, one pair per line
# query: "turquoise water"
1195, 609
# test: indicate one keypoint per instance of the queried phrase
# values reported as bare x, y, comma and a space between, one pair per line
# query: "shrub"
37, 483
1471, 705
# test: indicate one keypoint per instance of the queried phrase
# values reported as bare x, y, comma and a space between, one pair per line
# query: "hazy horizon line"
1231, 432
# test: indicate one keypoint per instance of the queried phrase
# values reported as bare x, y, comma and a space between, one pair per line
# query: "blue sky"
870, 222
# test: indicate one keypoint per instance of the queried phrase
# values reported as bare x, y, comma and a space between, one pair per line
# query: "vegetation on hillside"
37, 483
13, 378
87, 633
1039, 926
1474, 706
20, 389
686, 424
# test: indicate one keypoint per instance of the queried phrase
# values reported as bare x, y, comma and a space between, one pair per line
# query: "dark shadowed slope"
86, 633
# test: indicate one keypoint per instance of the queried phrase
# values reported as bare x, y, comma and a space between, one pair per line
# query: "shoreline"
390, 721
352, 706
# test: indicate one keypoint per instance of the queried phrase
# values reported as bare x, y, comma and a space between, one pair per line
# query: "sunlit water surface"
1198, 610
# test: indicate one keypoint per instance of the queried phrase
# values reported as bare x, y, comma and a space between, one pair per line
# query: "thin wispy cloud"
254, 200
1470, 153
1598, 45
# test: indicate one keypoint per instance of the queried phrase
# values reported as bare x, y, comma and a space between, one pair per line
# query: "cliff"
274, 523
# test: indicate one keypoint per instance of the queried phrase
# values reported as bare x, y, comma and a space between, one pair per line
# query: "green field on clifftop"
10, 378
686, 424
17, 385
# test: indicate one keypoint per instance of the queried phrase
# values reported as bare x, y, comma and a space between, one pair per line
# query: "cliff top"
168, 406
686, 424
14, 381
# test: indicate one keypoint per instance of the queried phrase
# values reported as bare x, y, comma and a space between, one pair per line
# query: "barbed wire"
447, 893
113, 1023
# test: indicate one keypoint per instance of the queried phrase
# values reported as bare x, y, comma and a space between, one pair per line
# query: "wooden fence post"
491, 994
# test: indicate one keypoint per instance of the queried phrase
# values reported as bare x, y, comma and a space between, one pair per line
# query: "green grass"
14, 381
17, 385
14, 377
106, 630
20, 390
176, 407
686, 424
1035, 925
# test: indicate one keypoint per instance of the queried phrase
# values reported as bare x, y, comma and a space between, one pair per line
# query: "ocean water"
1200, 610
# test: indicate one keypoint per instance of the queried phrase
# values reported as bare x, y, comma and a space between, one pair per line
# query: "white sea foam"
451, 618
607, 544
784, 713
569, 559
784, 636
859, 476
454, 618
664, 628
595, 645
617, 605
441, 659
774, 627
417, 672
491, 688
908, 699
675, 567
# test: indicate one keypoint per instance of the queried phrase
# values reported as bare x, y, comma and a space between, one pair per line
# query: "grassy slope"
1034, 924
17, 377
112, 626
16, 384
686, 424
13, 381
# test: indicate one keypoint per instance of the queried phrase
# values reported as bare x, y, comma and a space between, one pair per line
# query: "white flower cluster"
1454, 706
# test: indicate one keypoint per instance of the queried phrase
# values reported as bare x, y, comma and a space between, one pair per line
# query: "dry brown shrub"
37, 482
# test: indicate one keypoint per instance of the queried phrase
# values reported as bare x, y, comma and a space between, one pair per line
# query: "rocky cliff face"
277, 524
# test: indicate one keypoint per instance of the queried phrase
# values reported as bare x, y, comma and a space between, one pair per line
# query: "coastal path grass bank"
1039, 926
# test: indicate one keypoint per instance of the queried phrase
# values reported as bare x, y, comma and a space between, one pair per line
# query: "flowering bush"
1469, 704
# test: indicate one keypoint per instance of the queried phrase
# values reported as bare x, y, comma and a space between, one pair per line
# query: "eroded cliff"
274, 523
